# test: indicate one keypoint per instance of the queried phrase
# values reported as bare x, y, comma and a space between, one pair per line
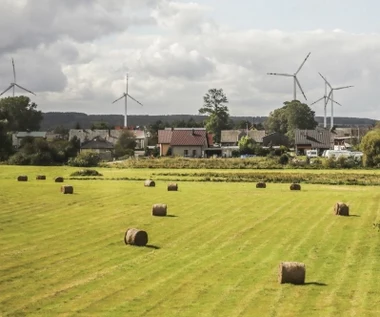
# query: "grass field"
216, 255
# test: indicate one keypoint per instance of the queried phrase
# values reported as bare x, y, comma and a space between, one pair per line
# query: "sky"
74, 54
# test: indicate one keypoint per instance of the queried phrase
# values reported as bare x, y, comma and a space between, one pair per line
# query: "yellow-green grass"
217, 255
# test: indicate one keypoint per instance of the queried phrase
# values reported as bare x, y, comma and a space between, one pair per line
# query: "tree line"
21, 114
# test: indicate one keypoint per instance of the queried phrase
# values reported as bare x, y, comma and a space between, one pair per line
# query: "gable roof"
319, 138
189, 138
230, 136
97, 143
164, 136
257, 135
33, 134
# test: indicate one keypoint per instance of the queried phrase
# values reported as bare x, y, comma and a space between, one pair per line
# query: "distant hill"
69, 120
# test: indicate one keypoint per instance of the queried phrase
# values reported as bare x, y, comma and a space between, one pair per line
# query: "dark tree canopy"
126, 144
219, 118
370, 146
21, 113
293, 115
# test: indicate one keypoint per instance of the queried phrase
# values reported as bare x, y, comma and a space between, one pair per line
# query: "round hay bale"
67, 189
261, 185
159, 210
295, 186
173, 187
40, 177
136, 237
149, 183
291, 272
341, 209
22, 178
59, 179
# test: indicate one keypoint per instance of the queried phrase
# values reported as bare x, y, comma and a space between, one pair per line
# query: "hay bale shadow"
151, 246
353, 216
172, 216
313, 283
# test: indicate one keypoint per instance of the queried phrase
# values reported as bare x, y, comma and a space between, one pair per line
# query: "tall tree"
126, 144
370, 146
21, 113
293, 115
219, 118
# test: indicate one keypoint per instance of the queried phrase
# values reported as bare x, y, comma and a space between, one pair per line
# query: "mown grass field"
216, 255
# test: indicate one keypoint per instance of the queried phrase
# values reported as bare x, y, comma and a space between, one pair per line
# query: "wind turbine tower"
14, 84
295, 79
331, 98
125, 96
325, 104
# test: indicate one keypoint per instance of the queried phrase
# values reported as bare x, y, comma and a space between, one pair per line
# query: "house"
187, 142
164, 139
276, 139
257, 135
232, 137
18, 137
319, 139
111, 136
101, 146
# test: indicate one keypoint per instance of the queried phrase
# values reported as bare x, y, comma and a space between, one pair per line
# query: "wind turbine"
331, 98
126, 95
325, 103
13, 85
296, 82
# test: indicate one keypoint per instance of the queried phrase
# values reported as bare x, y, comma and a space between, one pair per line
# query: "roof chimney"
192, 132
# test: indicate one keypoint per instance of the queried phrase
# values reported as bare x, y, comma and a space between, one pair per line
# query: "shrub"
86, 172
19, 158
283, 159
85, 159
330, 162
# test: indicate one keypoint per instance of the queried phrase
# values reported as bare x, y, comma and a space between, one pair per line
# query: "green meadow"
215, 254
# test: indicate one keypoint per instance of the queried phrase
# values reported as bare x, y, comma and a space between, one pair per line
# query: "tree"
100, 126
293, 115
246, 145
126, 144
219, 118
370, 146
5, 141
21, 113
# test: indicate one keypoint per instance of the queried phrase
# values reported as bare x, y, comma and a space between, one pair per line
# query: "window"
185, 153
194, 153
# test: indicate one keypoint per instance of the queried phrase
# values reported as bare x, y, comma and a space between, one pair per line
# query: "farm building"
103, 147
319, 139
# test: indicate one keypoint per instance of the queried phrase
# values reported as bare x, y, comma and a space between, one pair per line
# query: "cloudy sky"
74, 54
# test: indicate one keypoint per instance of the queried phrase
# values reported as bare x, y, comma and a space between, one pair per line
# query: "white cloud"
75, 55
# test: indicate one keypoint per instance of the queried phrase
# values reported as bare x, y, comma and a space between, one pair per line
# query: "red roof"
189, 137
164, 136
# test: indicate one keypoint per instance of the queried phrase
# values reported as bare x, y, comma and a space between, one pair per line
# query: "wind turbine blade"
24, 89
329, 95
280, 74
299, 85
14, 71
335, 102
302, 63
325, 80
7, 89
343, 87
119, 98
135, 99
317, 100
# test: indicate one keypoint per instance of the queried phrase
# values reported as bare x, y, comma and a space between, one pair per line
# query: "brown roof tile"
189, 137
164, 136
